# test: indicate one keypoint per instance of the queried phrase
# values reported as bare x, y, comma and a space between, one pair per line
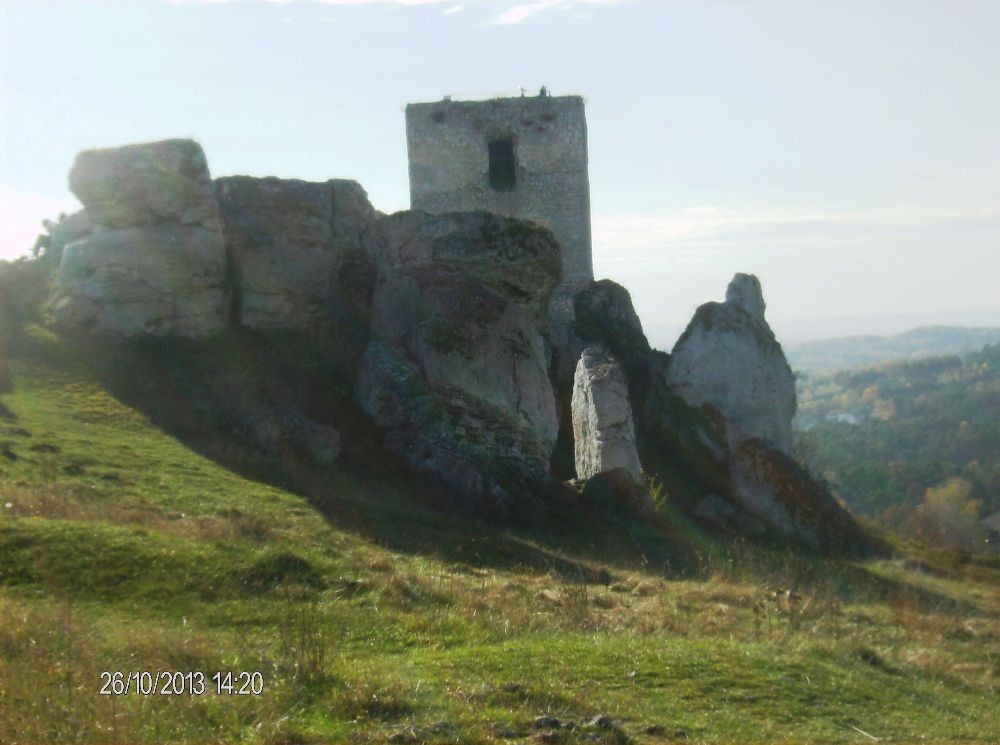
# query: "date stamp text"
168, 683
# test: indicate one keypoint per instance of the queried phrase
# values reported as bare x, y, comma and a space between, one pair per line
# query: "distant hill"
856, 351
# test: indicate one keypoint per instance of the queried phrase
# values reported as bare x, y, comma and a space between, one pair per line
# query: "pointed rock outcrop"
603, 429
744, 292
729, 358
738, 396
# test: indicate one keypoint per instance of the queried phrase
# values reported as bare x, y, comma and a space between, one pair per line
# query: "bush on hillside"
948, 516
25, 285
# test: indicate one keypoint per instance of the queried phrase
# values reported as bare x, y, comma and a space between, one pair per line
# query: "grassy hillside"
133, 538
857, 351
886, 437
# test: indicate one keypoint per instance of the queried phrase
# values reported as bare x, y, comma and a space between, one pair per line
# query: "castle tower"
523, 157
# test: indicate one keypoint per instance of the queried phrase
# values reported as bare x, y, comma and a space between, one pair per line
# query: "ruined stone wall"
448, 143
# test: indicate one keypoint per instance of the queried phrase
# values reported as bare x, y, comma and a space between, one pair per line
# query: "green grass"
128, 542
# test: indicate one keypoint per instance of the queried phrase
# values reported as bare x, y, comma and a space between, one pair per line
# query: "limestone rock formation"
728, 358
297, 249
456, 370
604, 314
603, 430
154, 261
161, 280
744, 292
723, 514
517, 259
147, 184
728, 397
442, 325
774, 488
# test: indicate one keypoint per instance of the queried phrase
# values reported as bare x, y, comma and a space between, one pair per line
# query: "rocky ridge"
442, 323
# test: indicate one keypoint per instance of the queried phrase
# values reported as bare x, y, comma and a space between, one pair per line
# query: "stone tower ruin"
524, 157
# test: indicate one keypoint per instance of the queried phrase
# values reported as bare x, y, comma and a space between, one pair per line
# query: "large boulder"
159, 279
729, 358
146, 184
603, 430
743, 483
517, 259
153, 261
457, 376
456, 371
468, 341
298, 250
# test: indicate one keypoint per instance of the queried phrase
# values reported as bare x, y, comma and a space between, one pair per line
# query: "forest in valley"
913, 445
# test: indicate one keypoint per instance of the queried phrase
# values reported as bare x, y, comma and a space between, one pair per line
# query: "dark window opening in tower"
503, 169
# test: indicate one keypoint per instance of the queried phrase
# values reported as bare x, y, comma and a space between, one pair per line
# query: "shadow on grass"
198, 393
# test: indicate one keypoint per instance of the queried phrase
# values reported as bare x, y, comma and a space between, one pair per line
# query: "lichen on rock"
456, 369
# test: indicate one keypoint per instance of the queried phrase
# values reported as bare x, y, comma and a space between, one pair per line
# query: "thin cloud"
522, 11
372, 2
641, 237
872, 264
406, 3
508, 12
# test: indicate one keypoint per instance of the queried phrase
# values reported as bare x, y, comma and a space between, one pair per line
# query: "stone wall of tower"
449, 161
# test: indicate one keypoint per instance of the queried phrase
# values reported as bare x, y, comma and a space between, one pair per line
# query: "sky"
847, 152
